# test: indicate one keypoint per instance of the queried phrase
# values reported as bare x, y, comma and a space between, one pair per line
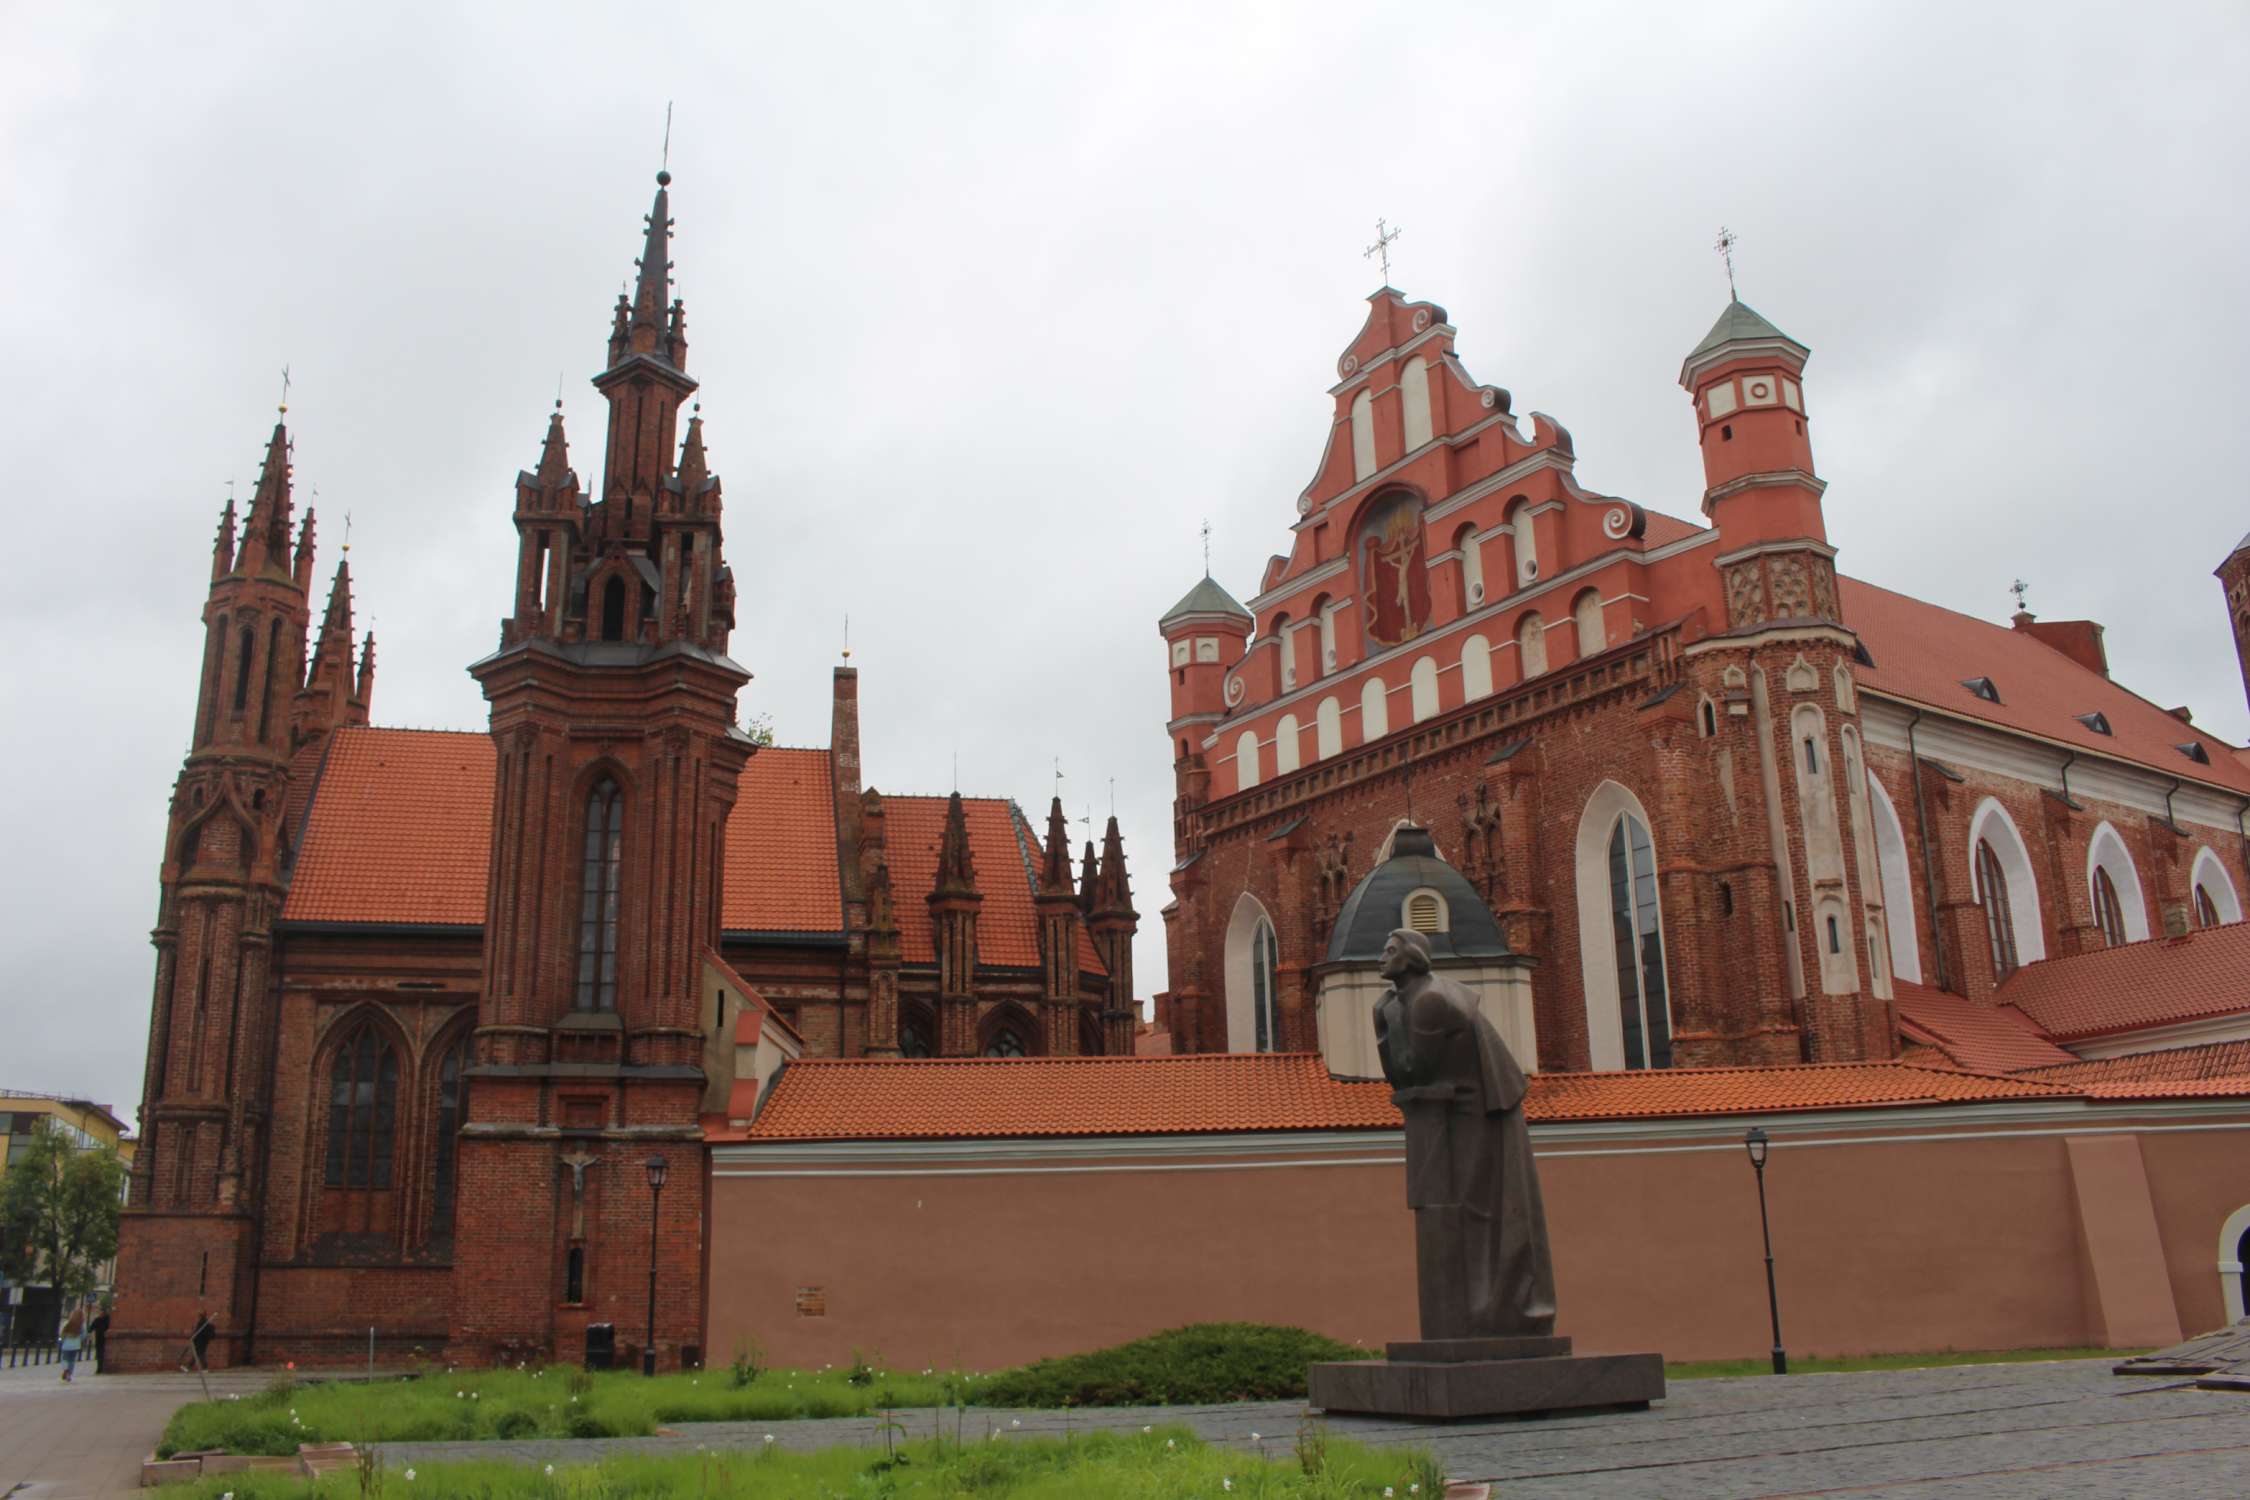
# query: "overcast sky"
993, 305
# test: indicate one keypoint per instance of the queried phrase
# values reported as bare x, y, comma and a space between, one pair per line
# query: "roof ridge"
480, 734
2108, 949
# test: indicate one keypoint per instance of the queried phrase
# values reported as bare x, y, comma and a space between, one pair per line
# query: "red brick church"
427, 1000
1740, 807
434, 1012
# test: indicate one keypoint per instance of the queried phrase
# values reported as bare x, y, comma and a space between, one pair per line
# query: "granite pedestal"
1443, 1380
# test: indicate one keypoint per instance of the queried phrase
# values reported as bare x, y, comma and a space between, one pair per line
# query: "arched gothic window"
1586, 616
917, 1033
363, 1112
613, 609
1005, 1043
598, 898
2206, 910
1637, 932
1999, 922
2109, 914
1531, 645
1265, 953
445, 1150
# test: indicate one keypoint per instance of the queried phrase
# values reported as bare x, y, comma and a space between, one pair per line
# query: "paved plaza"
2046, 1430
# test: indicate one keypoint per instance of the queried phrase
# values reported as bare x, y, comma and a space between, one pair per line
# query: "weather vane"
1207, 549
347, 528
666, 164
1058, 776
2019, 588
847, 635
1384, 234
1724, 244
284, 388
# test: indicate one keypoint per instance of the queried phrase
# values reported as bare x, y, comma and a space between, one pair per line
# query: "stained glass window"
1637, 936
362, 1112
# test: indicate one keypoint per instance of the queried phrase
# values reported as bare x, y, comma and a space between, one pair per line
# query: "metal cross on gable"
1381, 249
2019, 588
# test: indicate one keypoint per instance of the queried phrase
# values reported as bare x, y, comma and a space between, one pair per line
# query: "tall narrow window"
242, 670
1414, 398
362, 1112
597, 909
1637, 930
2109, 914
1472, 566
1531, 645
1363, 435
265, 699
613, 609
1999, 922
1264, 953
2206, 910
445, 1149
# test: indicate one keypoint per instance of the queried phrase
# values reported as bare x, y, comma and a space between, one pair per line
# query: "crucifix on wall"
578, 1162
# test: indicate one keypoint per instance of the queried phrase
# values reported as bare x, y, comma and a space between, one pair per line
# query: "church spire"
1054, 875
651, 291
957, 869
222, 550
554, 452
268, 520
1116, 887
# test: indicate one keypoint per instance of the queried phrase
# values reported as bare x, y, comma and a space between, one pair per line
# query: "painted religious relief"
1394, 584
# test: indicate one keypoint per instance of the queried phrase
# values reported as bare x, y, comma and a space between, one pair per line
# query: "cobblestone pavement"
1987, 1431
86, 1440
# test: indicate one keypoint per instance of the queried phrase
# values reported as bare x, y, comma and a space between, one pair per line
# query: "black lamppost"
655, 1198
1755, 1144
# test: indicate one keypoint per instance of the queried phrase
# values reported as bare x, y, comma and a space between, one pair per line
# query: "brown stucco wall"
1968, 1237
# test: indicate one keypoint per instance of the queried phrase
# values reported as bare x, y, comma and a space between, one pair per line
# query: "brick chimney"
2080, 640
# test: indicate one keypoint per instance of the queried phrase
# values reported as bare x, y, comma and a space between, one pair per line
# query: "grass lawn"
1201, 1364
1816, 1364
1140, 1466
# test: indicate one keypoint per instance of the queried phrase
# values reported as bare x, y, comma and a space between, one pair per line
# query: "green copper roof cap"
1739, 324
1206, 598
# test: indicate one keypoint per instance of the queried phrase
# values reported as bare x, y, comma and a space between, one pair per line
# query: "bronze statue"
1480, 1233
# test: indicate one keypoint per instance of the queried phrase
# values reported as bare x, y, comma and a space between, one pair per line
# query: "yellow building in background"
29, 1311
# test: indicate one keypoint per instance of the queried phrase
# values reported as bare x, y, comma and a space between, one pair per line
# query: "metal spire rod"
1384, 234
1725, 244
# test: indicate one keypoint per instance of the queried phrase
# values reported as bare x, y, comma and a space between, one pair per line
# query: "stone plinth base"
1443, 1380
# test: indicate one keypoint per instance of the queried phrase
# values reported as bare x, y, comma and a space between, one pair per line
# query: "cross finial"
284, 389
1384, 234
2019, 588
1724, 244
1207, 549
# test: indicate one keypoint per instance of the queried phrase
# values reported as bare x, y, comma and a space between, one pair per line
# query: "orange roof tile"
1007, 924
1662, 530
1218, 1093
2160, 982
781, 847
1981, 1038
1924, 653
400, 830
2211, 1060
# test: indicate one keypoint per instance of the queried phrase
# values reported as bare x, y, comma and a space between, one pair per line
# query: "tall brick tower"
1785, 660
189, 1237
2234, 577
613, 719
1204, 634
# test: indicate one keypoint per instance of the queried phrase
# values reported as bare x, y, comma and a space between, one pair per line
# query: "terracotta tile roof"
400, 830
1662, 530
1005, 852
781, 847
2179, 1064
1923, 653
2160, 982
1981, 1038
1217, 1093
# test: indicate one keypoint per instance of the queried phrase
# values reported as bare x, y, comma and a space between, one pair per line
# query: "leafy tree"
58, 1212
760, 729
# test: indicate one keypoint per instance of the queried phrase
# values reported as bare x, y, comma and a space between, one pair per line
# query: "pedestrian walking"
98, 1332
73, 1334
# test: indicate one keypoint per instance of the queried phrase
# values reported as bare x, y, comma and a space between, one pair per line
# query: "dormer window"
2096, 722
2194, 751
1982, 687
1425, 912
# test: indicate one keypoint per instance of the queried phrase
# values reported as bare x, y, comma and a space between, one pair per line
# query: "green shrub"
1201, 1364
749, 1362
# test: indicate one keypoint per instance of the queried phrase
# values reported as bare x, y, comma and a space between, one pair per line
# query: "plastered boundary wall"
2016, 1225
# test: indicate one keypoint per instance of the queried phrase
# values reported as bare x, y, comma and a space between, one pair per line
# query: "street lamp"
1755, 1144
656, 1167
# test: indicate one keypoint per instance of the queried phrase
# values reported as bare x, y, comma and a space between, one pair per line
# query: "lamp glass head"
1755, 1144
656, 1169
